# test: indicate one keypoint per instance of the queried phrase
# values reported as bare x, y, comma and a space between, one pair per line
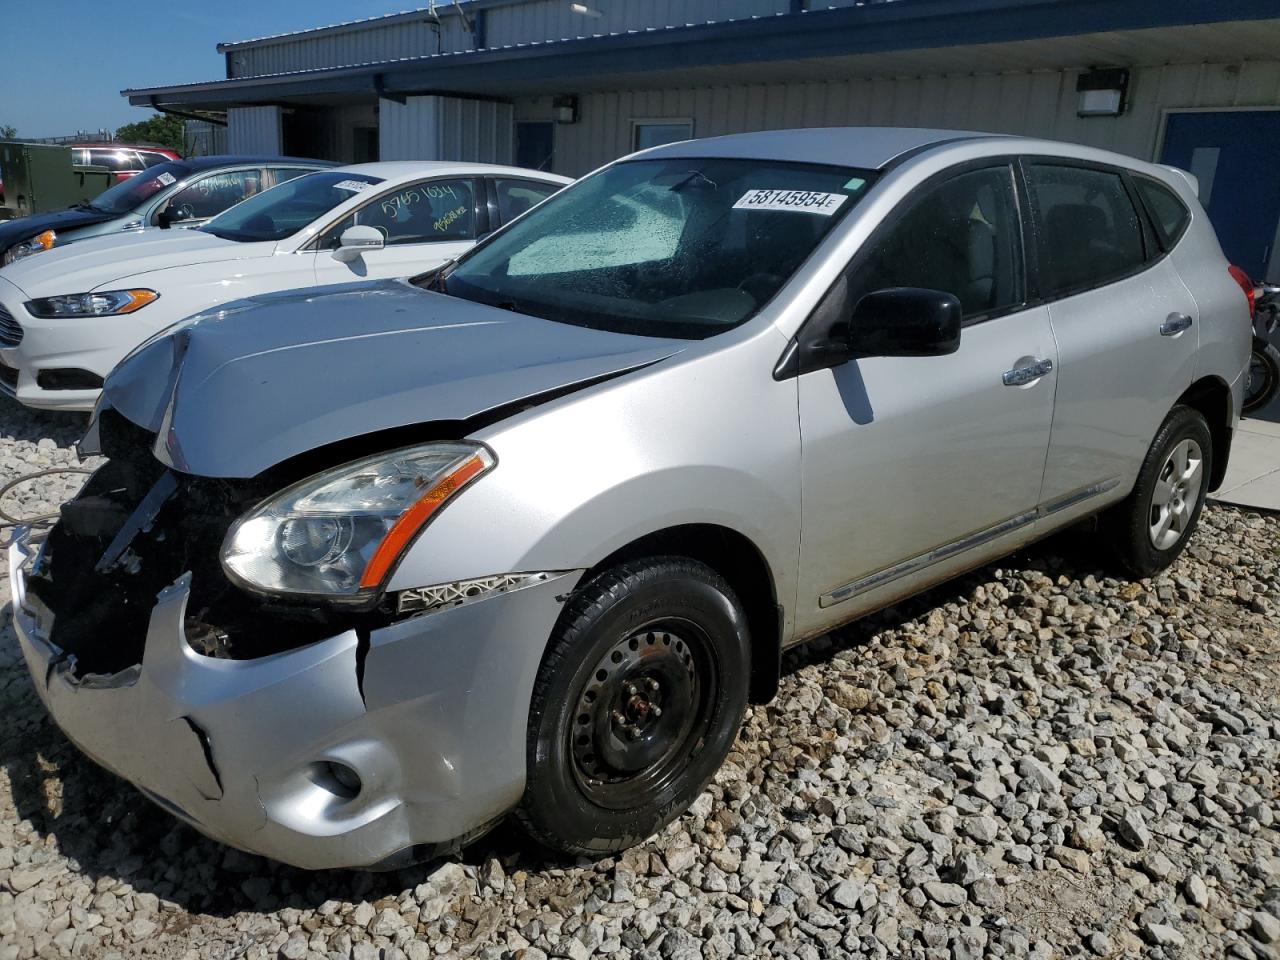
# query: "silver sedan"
372, 566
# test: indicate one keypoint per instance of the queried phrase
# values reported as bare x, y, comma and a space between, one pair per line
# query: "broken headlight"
338, 534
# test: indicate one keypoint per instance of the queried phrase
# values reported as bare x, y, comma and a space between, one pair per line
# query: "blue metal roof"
872, 28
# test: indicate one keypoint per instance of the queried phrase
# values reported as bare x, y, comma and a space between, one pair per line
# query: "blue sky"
63, 63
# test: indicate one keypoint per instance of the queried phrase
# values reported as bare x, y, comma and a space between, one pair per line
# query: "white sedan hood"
90, 264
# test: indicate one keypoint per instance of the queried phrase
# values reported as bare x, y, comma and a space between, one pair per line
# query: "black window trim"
478, 204
811, 349
1151, 251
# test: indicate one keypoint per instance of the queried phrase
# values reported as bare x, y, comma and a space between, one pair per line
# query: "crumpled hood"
23, 228
88, 264
239, 390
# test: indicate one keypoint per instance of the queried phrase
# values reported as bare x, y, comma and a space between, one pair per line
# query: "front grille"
10, 329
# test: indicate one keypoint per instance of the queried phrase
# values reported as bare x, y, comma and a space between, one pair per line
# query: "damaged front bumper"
335, 754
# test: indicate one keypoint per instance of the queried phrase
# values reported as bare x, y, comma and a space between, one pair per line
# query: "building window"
654, 133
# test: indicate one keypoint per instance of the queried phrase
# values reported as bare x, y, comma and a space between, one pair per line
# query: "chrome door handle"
1174, 324
1021, 376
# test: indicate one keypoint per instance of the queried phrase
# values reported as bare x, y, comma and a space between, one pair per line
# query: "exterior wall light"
1102, 93
565, 109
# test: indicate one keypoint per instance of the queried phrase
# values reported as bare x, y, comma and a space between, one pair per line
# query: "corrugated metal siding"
204, 139
253, 130
446, 128
1033, 104
556, 20
518, 23
358, 44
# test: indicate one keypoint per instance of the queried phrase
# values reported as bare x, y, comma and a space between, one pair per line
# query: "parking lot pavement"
1253, 475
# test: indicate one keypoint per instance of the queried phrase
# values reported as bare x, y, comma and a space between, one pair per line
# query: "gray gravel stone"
1034, 760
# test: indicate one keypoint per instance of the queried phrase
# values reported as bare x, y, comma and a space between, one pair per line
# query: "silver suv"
372, 566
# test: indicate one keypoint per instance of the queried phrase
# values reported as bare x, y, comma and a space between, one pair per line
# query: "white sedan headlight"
109, 303
340, 533
37, 244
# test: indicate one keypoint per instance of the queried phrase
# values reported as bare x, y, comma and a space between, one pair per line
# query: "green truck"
40, 177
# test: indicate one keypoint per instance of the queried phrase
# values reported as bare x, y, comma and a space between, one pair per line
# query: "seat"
1076, 244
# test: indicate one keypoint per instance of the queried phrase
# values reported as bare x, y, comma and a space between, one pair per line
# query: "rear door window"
118, 160
1089, 230
517, 196
1170, 214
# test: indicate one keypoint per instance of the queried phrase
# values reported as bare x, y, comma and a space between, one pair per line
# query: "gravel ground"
1031, 761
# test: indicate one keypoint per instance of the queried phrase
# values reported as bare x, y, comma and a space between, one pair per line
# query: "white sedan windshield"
675, 247
284, 210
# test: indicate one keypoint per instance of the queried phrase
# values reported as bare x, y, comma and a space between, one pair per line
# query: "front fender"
582, 477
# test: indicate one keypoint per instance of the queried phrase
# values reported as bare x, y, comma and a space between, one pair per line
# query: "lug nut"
652, 684
655, 710
631, 690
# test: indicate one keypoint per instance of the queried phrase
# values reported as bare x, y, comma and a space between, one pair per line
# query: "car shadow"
1074, 553
20, 423
110, 830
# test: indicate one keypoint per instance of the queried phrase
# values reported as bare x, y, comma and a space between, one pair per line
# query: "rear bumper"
244, 750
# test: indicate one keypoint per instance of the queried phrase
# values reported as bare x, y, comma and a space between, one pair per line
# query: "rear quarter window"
1170, 214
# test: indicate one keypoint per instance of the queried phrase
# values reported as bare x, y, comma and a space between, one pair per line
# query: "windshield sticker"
354, 186
857, 183
797, 201
167, 178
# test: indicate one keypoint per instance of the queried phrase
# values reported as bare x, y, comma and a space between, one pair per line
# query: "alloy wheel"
1175, 495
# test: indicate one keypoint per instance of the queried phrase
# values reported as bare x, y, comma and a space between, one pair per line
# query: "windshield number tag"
354, 186
796, 201
166, 178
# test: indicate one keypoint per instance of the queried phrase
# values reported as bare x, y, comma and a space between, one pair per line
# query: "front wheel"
1153, 524
637, 701
1263, 376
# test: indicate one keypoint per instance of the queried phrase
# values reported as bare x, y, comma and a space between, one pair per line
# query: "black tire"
605, 770
1263, 376
1130, 524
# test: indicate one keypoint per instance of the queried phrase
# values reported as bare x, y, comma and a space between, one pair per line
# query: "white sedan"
67, 317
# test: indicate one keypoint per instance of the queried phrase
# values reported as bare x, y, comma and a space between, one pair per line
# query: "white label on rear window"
798, 201
355, 186
167, 178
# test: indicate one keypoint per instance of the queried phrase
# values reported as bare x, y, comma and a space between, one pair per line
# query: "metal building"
567, 85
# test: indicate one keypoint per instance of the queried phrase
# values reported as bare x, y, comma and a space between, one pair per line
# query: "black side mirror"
171, 215
905, 322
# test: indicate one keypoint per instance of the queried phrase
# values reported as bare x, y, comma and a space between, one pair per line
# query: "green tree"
8, 131
160, 128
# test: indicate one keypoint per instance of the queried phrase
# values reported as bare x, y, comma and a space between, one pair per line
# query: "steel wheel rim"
1175, 495
642, 714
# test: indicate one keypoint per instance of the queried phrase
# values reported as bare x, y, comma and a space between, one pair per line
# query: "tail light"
1242, 278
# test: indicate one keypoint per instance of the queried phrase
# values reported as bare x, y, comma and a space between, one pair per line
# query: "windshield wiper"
86, 205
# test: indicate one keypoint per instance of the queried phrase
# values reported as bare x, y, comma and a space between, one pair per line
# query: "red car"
123, 159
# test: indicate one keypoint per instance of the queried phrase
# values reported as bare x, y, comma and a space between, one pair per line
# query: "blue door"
1235, 155
534, 145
